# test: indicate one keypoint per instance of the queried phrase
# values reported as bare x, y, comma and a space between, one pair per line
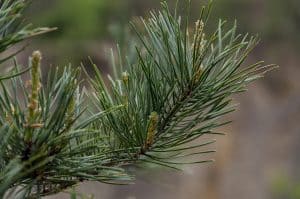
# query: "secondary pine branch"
187, 83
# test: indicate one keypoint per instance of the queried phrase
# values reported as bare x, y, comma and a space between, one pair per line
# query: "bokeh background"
259, 158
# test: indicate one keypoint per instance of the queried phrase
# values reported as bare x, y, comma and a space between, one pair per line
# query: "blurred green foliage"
84, 25
274, 20
86, 20
79, 19
285, 188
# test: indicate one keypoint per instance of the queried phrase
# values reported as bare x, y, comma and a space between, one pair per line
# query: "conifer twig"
12, 31
182, 81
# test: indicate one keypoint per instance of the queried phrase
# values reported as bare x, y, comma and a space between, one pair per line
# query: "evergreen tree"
175, 86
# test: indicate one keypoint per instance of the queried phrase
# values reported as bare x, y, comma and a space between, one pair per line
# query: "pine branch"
177, 90
45, 145
12, 31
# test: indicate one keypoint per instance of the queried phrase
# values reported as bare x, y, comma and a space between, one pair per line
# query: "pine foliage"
175, 88
12, 30
44, 149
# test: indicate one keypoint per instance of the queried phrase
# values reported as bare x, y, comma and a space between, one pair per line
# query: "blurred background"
259, 158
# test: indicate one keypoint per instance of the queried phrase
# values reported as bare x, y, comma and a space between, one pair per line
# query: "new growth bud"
33, 106
152, 127
125, 78
199, 37
35, 84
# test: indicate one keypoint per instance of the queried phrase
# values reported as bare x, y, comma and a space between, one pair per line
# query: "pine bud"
12, 109
152, 127
199, 25
199, 37
35, 84
125, 78
33, 106
202, 43
198, 31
